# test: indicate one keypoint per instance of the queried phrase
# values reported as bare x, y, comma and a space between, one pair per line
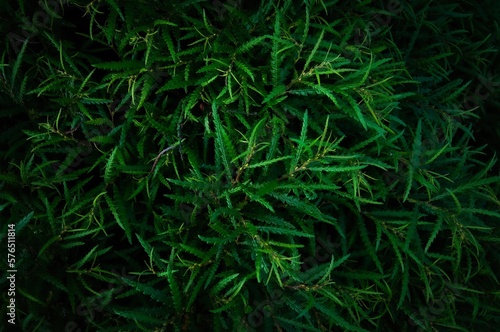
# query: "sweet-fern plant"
173, 168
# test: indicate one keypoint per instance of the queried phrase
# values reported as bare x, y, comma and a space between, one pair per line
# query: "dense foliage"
282, 166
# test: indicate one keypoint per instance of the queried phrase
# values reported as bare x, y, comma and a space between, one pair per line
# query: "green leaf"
301, 144
404, 286
251, 44
108, 172
368, 244
173, 284
115, 6
125, 65
221, 284
336, 169
283, 231
119, 212
17, 64
23, 222
151, 253
85, 259
164, 22
276, 92
245, 68
222, 142
313, 52
268, 162
170, 44
138, 315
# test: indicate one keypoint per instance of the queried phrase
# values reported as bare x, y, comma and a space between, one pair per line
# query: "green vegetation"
283, 166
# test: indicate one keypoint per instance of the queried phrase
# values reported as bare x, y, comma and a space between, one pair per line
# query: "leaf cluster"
264, 169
